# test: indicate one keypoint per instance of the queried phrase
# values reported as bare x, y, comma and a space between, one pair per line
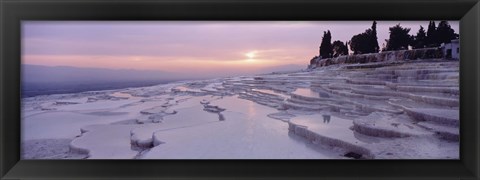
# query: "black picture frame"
12, 12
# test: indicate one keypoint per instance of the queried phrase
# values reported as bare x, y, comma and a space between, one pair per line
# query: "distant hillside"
283, 68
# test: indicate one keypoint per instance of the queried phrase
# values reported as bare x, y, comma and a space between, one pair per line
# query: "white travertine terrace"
407, 110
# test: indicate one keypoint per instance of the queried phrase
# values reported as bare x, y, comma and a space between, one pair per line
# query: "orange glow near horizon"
170, 64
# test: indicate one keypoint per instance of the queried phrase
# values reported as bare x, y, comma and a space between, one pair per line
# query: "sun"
251, 54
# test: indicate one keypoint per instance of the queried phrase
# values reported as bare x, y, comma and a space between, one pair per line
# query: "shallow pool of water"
307, 92
329, 126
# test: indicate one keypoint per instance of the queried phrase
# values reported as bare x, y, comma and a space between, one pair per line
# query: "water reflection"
326, 119
311, 93
181, 88
307, 92
324, 95
365, 138
121, 95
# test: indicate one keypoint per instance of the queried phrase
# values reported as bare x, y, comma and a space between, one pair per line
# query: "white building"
451, 50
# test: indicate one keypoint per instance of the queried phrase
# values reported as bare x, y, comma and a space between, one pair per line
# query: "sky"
196, 47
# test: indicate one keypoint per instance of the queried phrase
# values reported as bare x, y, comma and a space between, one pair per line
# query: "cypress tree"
326, 50
432, 40
346, 48
373, 39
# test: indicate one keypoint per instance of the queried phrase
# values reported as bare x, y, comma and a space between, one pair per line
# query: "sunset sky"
186, 46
